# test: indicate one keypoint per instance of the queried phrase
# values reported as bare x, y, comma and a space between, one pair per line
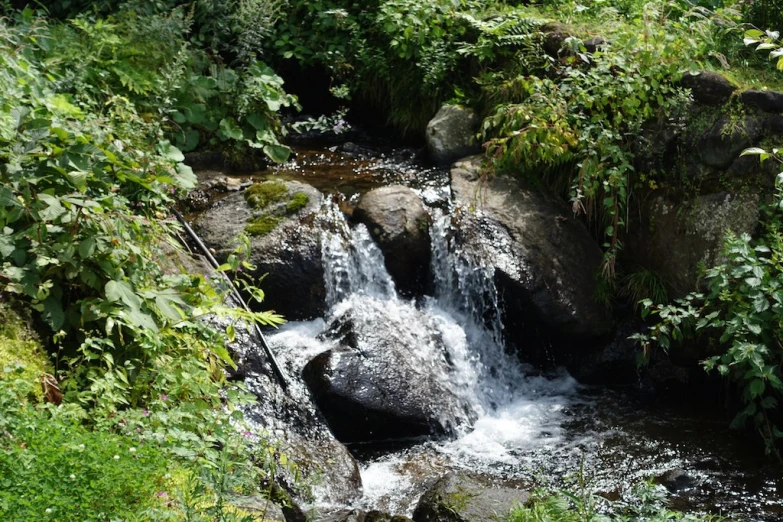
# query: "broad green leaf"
122, 291
53, 208
757, 388
277, 153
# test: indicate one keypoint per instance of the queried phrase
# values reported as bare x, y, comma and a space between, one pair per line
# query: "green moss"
297, 203
262, 225
20, 348
262, 195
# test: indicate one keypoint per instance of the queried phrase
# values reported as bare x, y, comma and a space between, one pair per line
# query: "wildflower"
116, 457
72, 477
132, 450
162, 494
247, 434
164, 397
146, 413
48, 510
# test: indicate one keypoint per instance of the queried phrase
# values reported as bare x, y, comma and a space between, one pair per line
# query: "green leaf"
7, 246
756, 388
277, 153
230, 130
223, 355
122, 291
169, 151
53, 313
87, 247
53, 208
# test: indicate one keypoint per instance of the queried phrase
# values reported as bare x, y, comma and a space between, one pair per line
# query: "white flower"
132, 450
48, 510
116, 457
81, 446
73, 477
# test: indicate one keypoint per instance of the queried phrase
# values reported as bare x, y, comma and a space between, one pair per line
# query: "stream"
521, 425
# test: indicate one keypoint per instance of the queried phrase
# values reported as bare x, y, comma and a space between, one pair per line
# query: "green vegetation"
93, 110
647, 504
297, 203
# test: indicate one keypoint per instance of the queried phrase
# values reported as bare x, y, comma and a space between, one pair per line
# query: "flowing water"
528, 427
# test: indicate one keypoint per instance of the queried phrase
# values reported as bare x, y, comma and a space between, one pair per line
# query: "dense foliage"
88, 174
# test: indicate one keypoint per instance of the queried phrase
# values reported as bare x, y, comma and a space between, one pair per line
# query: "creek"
520, 424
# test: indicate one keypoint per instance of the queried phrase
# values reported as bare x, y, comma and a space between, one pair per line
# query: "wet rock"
708, 88
450, 134
614, 363
262, 508
675, 237
545, 260
723, 142
399, 224
766, 101
290, 421
677, 480
355, 515
289, 252
462, 498
385, 382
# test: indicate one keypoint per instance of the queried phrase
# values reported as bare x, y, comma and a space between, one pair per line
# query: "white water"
515, 411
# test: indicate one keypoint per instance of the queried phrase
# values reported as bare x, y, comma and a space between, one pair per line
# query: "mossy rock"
277, 203
21, 349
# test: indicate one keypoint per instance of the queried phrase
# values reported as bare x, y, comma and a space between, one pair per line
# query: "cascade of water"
353, 263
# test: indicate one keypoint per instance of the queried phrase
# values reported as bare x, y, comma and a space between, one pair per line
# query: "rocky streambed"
438, 322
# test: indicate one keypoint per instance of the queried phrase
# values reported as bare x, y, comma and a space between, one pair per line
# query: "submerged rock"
384, 382
463, 498
285, 243
545, 261
399, 224
450, 134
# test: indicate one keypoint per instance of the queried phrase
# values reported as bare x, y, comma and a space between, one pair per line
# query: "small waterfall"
353, 263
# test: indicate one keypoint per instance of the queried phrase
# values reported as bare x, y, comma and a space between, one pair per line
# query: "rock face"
289, 252
723, 142
381, 384
675, 237
399, 224
450, 134
545, 261
461, 498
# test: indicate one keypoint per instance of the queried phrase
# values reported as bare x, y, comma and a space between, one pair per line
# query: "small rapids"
519, 424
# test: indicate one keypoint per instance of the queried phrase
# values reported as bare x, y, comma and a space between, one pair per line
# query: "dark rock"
343, 515
774, 125
677, 480
766, 101
399, 223
382, 384
675, 237
555, 35
290, 254
594, 44
378, 516
451, 134
204, 160
463, 498
544, 259
708, 88
613, 363
723, 142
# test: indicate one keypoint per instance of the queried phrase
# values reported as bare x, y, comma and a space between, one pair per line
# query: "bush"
764, 14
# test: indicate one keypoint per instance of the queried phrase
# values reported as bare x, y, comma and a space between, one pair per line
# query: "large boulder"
451, 134
387, 380
399, 223
285, 245
545, 260
464, 498
675, 238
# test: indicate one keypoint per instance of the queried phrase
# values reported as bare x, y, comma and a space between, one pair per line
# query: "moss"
297, 203
19, 348
262, 195
262, 225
